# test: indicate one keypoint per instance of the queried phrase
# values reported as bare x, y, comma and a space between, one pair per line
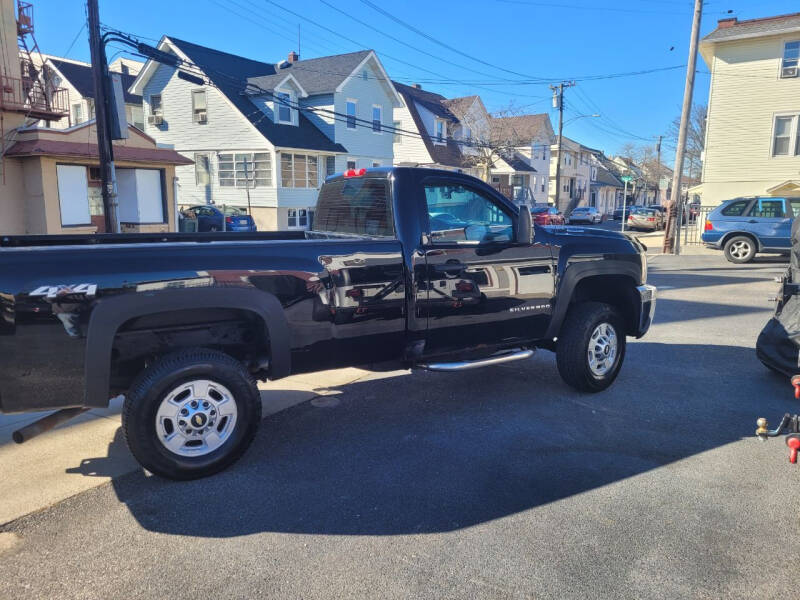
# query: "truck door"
483, 288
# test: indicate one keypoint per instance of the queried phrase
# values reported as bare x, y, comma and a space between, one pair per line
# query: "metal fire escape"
31, 94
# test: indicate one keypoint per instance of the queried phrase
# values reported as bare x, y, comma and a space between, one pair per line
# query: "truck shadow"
436, 452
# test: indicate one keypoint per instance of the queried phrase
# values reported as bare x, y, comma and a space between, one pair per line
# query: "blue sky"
498, 42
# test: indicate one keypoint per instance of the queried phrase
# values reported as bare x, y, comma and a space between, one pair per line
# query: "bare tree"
695, 139
500, 141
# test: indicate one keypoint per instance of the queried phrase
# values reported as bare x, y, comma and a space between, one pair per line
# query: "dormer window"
439, 132
791, 59
283, 107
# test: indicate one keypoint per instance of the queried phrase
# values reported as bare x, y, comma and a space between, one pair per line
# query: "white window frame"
207, 155
78, 114
376, 164
354, 116
442, 141
347, 164
794, 134
237, 178
305, 179
795, 66
397, 137
278, 105
156, 111
378, 131
196, 112
294, 214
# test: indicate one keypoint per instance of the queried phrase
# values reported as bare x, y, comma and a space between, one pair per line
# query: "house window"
375, 163
397, 137
785, 140
364, 75
351, 114
299, 171
330, 165
377, 112
136, 116
155, 104
202, 169
298, 218
495, 179
468, 134
245, 169
791, 58
283, 101
351, 165
594, 173
77, 113
439, 139
199, 113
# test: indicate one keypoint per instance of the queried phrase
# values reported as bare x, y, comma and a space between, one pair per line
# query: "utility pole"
102, 93
658, 169
247, 184
558, 102
675, 196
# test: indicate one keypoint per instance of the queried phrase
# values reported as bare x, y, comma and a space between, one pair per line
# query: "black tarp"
778, 343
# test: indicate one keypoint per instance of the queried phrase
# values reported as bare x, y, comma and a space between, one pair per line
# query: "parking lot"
500, 482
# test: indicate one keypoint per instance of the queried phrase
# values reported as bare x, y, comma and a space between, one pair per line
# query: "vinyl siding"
411, 148
746, 93
362, 141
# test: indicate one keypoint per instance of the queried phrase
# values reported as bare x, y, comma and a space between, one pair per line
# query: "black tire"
734, 249
573, 344
151, 386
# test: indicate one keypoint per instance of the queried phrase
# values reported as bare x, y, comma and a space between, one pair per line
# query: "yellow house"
752, 144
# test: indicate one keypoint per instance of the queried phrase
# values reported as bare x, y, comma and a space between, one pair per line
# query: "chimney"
417, 86
293, 57
725, 23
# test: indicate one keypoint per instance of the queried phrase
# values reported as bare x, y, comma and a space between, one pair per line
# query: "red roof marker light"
354, 173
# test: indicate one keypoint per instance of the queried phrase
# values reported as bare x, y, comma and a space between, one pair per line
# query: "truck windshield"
357, 206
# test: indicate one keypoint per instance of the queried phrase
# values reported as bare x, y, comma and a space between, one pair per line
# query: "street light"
594, 116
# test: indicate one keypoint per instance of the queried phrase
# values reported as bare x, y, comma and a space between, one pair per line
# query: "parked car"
547, 215
628, 209
649, 218
211, 218
585, 214
743, 227
426, 268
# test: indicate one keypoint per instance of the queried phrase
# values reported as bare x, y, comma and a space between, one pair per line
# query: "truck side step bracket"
465, 365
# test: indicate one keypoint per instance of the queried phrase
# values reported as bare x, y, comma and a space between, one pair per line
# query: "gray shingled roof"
522, 128
229, 73
754, 27
459, 106
80, 76
315, 75
517, 162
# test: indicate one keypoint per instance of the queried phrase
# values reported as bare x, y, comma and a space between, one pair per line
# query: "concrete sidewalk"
89, 450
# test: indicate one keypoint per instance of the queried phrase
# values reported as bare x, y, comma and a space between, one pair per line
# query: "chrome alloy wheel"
602, 351
740, 249
196, 418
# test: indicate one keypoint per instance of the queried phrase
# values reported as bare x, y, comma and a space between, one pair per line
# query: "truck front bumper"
647, 308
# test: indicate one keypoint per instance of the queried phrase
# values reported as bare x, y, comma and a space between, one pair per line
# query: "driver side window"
460, 214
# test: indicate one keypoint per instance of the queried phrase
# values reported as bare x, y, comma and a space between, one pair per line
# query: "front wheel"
591, 346
740, 249
191, 414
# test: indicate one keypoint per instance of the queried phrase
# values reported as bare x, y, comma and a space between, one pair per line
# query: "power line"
442, 44
75, 39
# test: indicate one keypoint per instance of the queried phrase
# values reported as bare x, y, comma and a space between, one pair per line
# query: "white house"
273, 130
76, 77
575, 174
527, 169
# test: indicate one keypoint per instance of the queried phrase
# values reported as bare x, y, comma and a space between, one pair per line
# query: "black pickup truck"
431, 269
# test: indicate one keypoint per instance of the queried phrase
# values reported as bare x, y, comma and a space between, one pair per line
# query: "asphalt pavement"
497, 483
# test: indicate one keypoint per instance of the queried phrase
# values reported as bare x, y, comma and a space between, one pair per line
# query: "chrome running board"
464, 365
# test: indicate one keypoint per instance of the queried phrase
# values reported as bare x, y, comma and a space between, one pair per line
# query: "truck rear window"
357, 206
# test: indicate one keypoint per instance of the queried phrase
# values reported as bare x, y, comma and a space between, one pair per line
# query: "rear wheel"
191, 414
591, 346
740, 249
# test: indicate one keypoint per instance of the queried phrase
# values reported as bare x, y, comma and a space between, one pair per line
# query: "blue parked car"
210, 218
743, 227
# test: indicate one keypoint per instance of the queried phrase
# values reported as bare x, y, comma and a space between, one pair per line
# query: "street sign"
626, 178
